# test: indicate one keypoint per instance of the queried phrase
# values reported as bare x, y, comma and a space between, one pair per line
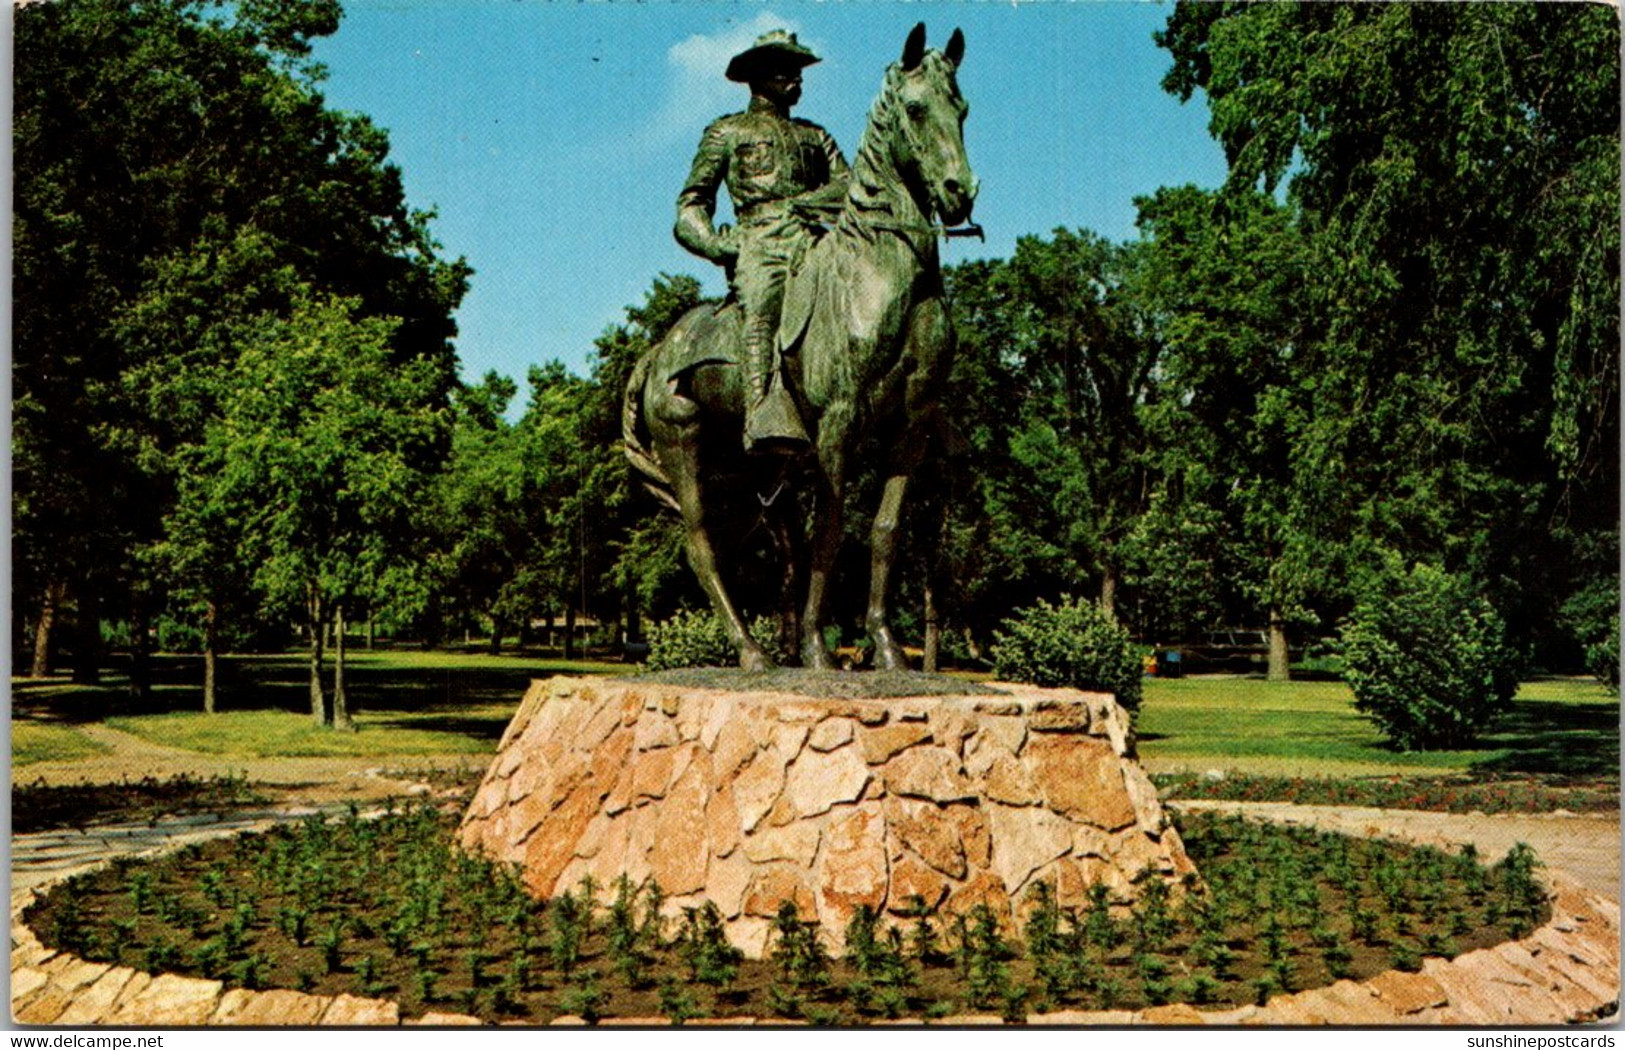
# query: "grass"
31, 742
413, 702
405, 703
391, 908
285, 734
1311, 729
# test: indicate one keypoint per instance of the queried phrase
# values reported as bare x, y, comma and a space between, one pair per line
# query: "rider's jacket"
768, 162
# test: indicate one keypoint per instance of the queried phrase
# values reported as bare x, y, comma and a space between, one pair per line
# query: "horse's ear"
914, 48
955, 52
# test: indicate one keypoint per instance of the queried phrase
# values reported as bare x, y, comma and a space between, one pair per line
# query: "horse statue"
867, 346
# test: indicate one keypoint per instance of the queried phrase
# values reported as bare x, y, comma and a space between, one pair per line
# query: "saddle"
718, 338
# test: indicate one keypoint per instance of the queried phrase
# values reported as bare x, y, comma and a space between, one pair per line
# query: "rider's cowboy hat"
774, 49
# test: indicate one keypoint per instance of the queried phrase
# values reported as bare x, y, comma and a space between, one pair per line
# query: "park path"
1587, 847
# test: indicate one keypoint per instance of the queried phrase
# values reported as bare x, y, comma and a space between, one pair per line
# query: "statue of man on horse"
848, 327
783, 176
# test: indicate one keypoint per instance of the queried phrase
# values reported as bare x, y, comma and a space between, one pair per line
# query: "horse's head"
928, 119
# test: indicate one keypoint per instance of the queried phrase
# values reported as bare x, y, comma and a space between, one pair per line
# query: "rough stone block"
749, 799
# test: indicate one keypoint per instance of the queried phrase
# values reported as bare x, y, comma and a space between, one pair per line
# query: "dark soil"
39, 807
388, 908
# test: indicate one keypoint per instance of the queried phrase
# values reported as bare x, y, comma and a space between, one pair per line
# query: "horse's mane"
883, 116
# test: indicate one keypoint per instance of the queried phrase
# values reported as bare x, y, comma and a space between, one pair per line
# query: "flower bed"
1488, 794
388, 908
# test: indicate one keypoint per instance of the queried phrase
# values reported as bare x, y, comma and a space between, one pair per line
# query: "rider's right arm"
698, 201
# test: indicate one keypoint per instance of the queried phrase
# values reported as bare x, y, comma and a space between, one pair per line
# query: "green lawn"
405, 702
285, 733
1312, 729
409, 702
32, 742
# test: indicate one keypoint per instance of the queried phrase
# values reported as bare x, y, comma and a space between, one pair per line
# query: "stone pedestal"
752, 798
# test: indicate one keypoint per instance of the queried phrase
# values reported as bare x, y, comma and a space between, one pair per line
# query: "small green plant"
1428, 659
983, 954
1338, 960
923, 944
699, 639
798, 953
332, 946
569, 930
1518, 890
677, 1004
1153, 923
1099, 928
585, 1000
250, 972
704, 946
1075, 643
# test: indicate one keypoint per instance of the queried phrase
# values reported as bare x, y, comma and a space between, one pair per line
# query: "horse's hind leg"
790, 544
683, 469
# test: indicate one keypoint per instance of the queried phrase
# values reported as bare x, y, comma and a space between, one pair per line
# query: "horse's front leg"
889, 655
930, 343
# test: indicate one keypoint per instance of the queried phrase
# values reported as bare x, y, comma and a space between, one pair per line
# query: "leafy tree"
1222, 277
176, 174
1455, 170
1087, 357
487, 509
324, 436
1046, 467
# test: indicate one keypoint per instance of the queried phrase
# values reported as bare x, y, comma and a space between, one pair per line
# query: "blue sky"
552, 137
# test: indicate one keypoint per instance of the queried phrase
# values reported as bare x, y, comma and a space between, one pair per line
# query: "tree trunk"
933, 628
54, 593
341, 703
570, 633
524, 632
140, 651
1108, 592
1280, 667
318, 700
210, 640
972, 646
87, 641
372, 631
495, 648
634, 618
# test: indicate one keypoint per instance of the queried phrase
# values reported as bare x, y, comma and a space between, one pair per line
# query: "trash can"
1170, 664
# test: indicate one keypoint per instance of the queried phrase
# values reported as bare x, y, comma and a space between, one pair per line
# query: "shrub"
1428, 660
1076, 644
1602, 656
1591, 618
698, 639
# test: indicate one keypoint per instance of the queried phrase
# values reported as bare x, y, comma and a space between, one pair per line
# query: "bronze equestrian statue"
864, 345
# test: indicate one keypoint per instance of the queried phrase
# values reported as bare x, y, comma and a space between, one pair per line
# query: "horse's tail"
634, 434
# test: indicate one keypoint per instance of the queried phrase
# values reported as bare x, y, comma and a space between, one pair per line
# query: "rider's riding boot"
772, 424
